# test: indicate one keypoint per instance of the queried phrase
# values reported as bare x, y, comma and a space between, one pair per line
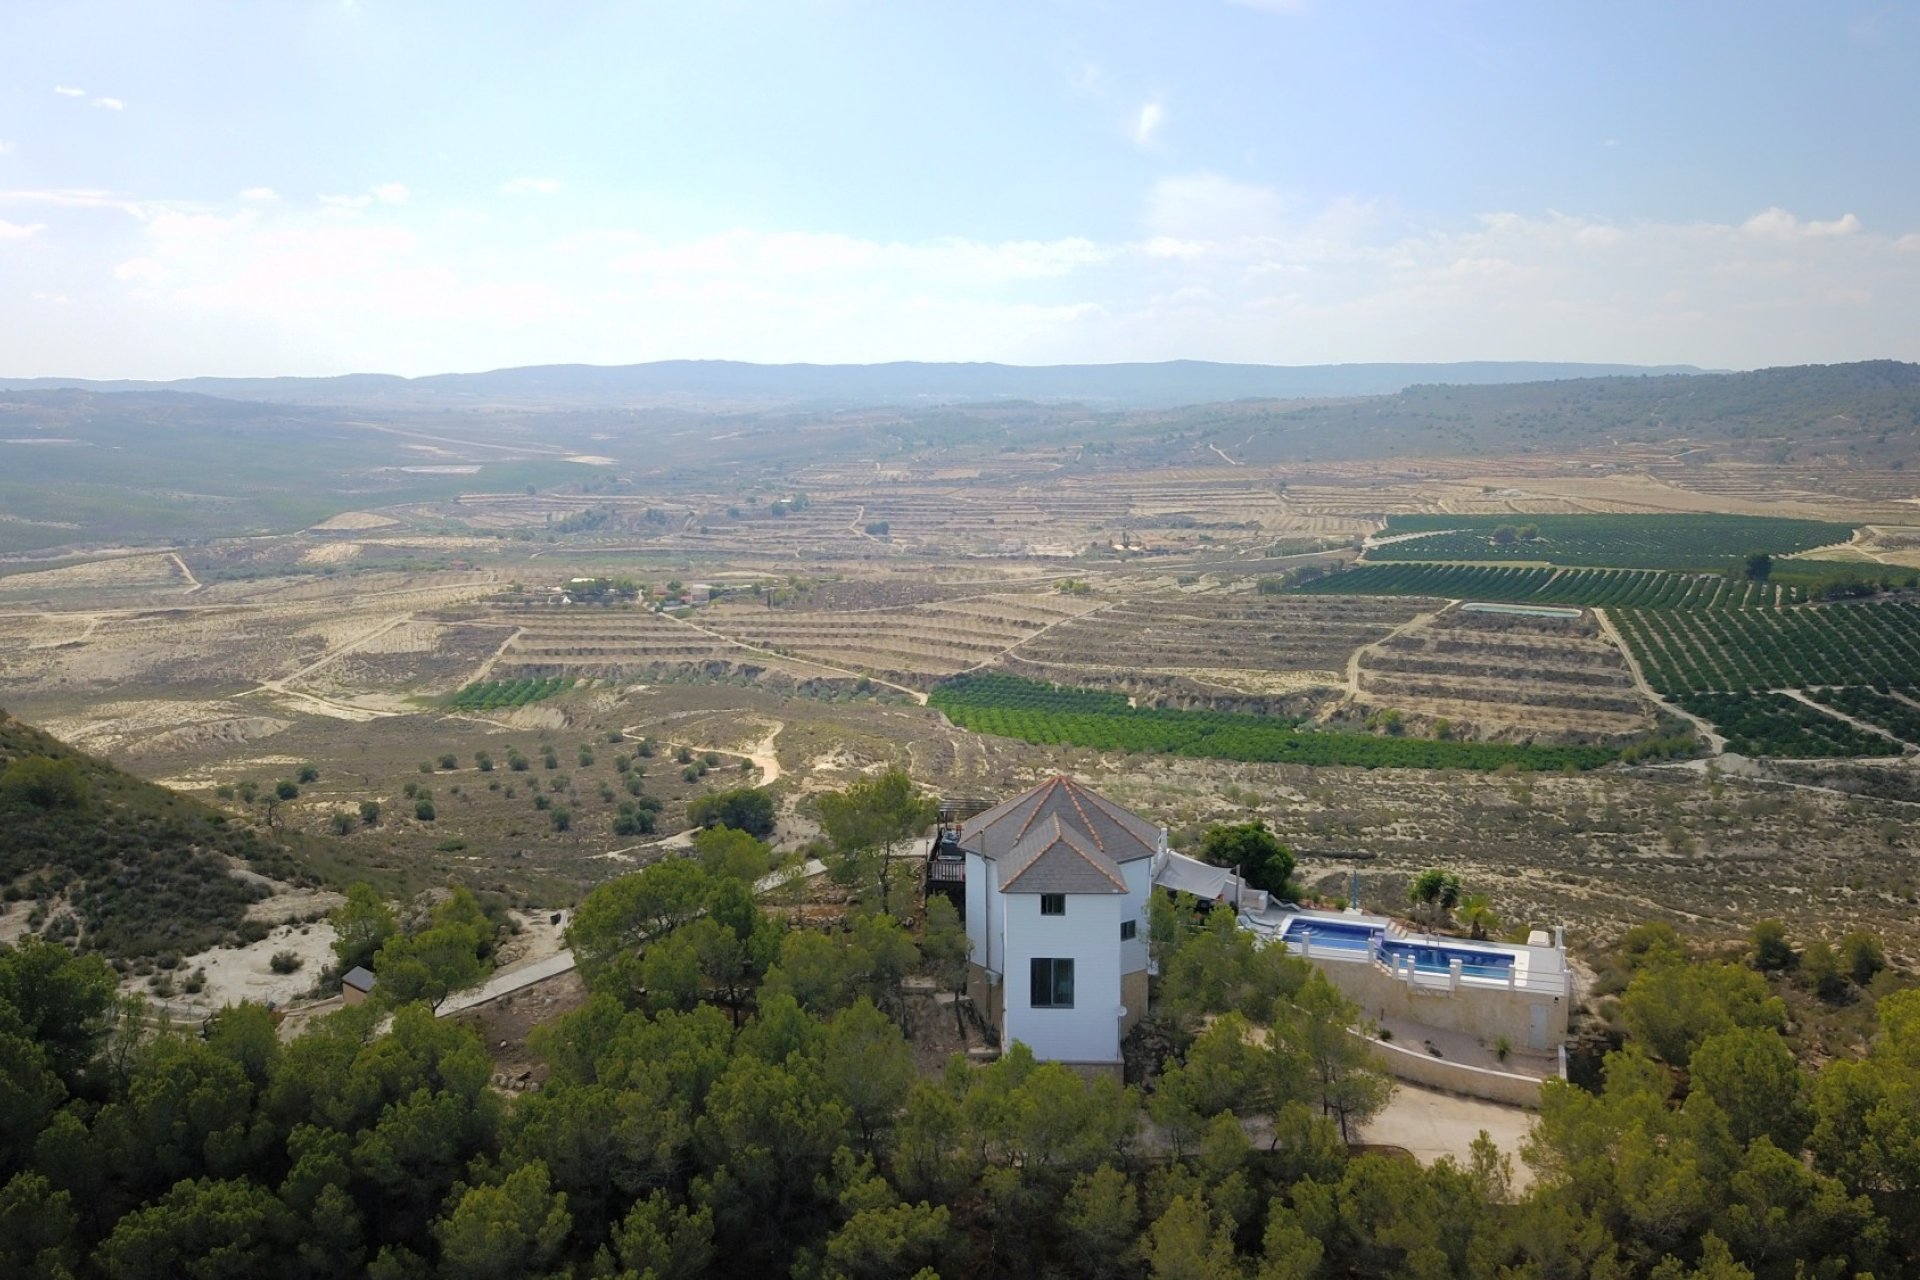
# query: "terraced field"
913, 646
1504, 675
617, 644
1242, 641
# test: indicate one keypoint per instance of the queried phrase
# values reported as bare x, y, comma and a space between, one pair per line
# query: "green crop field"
1607, 588
1700, 542
1772, 724
491, 694
1041, 713
1899, 717
1727, 650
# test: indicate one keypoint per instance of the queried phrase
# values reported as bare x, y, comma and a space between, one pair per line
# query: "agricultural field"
1691, 542
1898, 713
912, 646
1772, 724
1506, 676
1014, 707
1212, 645
1729, 650
621, 643
491, 695
1603, 588
934, 546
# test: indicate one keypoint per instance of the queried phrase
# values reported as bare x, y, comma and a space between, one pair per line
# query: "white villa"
1056, 888
1056, 909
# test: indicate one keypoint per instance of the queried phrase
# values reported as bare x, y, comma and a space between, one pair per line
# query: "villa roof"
1054, 858
1062, 830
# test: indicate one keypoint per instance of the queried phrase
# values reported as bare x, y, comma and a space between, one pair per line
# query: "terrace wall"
1485, 1011
1455, 1077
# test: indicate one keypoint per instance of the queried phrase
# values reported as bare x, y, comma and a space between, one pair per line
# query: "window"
1128, 928
1053, 904
1052, 984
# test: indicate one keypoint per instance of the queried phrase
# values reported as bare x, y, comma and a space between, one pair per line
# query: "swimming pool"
1427, 957
1338, 935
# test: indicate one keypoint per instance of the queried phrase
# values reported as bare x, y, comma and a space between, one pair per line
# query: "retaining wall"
1455, 1077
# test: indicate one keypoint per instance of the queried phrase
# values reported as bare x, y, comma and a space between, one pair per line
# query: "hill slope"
1867, 412
708, 383
132, 868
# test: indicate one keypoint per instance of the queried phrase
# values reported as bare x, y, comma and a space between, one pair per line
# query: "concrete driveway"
1432, 1124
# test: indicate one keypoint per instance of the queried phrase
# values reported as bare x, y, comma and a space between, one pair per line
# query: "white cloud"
110, 104
1289, 7
1219, 268
56, 299
73, 198
5, 146
1778, 224
392, 193
531, 186
1146, 125
68, 91
261, 194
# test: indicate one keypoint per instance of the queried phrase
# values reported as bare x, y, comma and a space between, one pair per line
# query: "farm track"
1715, 741
1907, 748
915, 694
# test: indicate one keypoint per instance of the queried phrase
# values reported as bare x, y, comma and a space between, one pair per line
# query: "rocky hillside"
125, 867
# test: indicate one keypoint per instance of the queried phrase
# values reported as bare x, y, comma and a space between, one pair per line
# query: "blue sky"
315, 188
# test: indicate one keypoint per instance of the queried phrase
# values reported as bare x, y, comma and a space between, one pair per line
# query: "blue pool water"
1427, 957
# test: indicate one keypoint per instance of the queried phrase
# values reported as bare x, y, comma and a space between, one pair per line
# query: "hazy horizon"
338, 187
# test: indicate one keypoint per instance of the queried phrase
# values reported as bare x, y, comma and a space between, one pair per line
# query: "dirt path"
1224, 458
856, 526
918, 697
1353, 659
193, 584
761, 753
1801, 697
1072, 617
1715, 741
486, 668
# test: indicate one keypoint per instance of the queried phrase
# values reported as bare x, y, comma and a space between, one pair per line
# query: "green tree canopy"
867, 823
1263, 860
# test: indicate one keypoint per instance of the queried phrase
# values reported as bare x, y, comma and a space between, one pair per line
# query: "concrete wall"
1133, 954
1089, 934
1455, 1077
1488, 1012
981, 928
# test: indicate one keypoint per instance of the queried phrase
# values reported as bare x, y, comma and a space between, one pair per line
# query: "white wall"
1133, 955
986, 944
1089, 935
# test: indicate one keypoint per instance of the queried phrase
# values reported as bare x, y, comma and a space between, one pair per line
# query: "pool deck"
1532, 967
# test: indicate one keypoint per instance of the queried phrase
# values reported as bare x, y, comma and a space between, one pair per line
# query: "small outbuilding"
357, 985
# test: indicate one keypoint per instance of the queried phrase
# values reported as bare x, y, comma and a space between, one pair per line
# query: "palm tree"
1477, 914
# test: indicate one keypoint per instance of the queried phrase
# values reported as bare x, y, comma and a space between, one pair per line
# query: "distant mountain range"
711, 383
